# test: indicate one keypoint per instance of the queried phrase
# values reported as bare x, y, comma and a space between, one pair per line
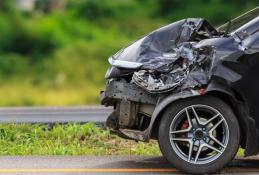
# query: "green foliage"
7, 6
96, 9
70, 139
30, 37
93, 9
19, 65
216, 11
60, 58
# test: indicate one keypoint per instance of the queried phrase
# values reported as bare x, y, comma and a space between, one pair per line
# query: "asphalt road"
54, 114
105, 165
89, 165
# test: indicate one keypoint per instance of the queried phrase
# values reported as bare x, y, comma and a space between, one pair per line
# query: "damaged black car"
192, 87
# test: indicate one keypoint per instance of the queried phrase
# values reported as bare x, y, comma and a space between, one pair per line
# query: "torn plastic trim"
124, 64
134, 135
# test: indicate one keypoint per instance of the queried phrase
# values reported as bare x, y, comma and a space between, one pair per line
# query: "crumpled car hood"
158, 48
184, 54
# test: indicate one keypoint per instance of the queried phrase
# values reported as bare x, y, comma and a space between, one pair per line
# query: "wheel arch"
230, 97
230, 100
162, 105
158, 113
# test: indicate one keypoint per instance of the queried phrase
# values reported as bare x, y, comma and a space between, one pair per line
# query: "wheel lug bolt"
203, 129
194, 139
194, 129
204, 138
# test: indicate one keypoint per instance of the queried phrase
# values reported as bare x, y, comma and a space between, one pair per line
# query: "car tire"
215, 147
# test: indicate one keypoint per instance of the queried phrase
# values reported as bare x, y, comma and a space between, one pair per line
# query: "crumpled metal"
186, 64
186, 54
170, 56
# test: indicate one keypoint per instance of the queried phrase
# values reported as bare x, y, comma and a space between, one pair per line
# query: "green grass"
241, 152
70, 139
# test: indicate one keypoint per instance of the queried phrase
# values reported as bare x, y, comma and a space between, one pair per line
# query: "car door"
248, 85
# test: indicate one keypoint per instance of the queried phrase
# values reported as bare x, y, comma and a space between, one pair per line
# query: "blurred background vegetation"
54, 52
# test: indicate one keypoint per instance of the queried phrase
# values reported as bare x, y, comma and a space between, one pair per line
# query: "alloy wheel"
199, 134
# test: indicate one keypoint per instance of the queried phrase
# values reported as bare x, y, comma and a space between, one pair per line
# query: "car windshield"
236, 23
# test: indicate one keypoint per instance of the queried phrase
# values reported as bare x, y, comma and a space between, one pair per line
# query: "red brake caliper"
184, 125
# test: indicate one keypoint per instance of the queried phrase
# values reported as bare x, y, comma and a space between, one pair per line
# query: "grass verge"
70, 139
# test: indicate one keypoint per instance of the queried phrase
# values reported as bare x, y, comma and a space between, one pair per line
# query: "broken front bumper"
118, 90
129, 101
